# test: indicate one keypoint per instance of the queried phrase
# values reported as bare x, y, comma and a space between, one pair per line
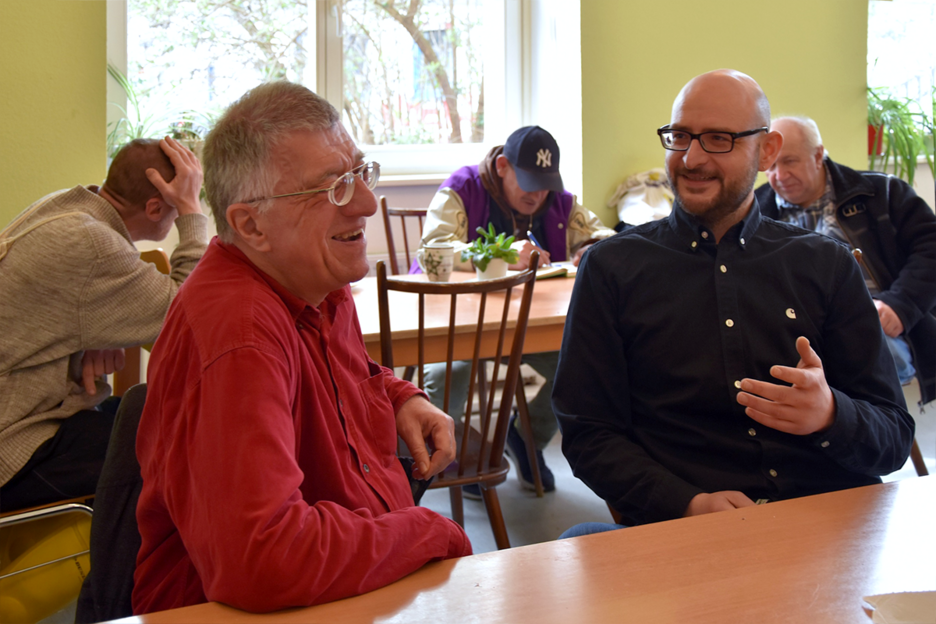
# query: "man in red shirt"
268, 441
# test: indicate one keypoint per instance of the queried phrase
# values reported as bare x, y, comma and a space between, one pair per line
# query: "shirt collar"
693, 234
294, 304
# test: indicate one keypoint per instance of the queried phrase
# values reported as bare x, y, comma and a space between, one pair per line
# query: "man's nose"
363, 201
695, 155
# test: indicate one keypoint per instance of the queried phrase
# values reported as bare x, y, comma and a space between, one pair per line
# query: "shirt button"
298, 326
704, 234
724, 269
560, 226
825, 444
737, 384
729, 323
694, 244
742, 241
367, 468
773, 473
753, 433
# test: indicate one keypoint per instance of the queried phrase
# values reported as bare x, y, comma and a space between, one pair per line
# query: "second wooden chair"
480, 446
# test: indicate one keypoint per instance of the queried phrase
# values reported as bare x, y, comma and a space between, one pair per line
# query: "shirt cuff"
837, 439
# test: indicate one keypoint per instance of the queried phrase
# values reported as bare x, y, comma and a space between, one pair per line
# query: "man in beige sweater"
73, 293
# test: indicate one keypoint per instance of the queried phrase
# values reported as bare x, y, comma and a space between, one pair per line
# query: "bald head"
800, 129
728, 110
126, 179
729, 91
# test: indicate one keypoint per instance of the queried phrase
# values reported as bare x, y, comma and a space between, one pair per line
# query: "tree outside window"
412, 70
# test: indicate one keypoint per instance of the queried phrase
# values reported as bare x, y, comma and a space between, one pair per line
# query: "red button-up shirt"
268, 452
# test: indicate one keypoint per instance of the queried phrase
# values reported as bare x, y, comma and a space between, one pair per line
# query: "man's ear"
155, 209
819, 156
246, 222
500, 164
770, 149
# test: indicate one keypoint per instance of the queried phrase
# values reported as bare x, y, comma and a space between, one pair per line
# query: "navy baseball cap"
534, 154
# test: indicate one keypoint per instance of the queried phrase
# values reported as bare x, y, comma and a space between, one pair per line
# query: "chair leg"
458, 510
528, 439
409, 372
496, 516
917, 458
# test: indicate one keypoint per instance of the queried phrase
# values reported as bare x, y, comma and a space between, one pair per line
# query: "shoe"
516, 450
472, 491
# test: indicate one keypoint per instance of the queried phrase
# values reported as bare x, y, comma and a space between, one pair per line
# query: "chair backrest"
131, 373
479, 453
403, 214
115, 538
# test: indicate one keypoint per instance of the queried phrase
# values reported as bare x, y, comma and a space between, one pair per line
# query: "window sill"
416, 179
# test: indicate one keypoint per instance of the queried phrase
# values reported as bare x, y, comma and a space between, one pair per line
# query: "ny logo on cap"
544, 158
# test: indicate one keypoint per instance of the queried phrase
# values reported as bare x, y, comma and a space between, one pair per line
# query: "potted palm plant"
490, 253
898, 127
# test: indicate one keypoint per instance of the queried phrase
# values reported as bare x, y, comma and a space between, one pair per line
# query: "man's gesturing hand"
420, 422
803, 408
97, 363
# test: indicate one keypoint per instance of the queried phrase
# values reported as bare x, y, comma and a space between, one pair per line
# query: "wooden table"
805, 560
544, 331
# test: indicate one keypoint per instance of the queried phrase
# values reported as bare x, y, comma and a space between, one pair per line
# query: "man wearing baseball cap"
518, 189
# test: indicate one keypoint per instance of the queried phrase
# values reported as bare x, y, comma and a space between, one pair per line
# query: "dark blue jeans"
67, 465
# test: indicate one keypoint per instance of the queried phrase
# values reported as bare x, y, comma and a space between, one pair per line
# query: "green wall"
52, 99
809, 56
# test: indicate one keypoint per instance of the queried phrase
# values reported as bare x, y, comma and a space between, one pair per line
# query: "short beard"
727, 202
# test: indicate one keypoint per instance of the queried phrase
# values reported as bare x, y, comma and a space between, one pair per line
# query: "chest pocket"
381, 420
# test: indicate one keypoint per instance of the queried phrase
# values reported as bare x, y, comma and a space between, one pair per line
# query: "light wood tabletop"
805, 560
544, 332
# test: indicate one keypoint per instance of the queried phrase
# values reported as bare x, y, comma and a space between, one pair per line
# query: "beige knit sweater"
74, 283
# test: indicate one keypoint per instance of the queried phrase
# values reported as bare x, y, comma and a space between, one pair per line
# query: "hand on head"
806, 406
183, 191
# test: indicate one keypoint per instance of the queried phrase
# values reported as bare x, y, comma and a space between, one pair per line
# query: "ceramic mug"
437, 261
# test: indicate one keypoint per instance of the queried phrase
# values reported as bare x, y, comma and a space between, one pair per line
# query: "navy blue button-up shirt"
662, 327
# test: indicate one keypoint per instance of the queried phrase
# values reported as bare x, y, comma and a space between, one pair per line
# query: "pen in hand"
533, 240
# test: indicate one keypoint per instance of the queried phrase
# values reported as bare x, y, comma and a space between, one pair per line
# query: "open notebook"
557, 269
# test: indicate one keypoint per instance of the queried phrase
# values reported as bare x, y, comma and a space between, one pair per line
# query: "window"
901, 55
422, 85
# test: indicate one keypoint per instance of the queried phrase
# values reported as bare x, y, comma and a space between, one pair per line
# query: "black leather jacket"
896, 232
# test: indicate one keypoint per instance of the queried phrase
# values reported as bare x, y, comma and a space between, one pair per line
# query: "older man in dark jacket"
883, 217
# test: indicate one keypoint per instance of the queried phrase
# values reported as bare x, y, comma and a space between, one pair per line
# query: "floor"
530, 520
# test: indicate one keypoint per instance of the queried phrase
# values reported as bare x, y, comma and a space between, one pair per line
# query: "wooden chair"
480, 451
916, 456
130, 374
403, 214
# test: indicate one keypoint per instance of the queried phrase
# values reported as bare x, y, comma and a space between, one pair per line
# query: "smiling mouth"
349, 237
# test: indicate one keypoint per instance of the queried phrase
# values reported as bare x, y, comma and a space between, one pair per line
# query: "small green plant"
186, 126
904, 125
488, 246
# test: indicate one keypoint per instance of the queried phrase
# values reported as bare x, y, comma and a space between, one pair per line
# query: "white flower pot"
496, 268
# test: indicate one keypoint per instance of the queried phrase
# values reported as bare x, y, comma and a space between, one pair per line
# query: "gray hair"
810, 131
238, 150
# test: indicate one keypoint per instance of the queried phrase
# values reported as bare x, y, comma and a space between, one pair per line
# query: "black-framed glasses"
711, 142
342, 190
